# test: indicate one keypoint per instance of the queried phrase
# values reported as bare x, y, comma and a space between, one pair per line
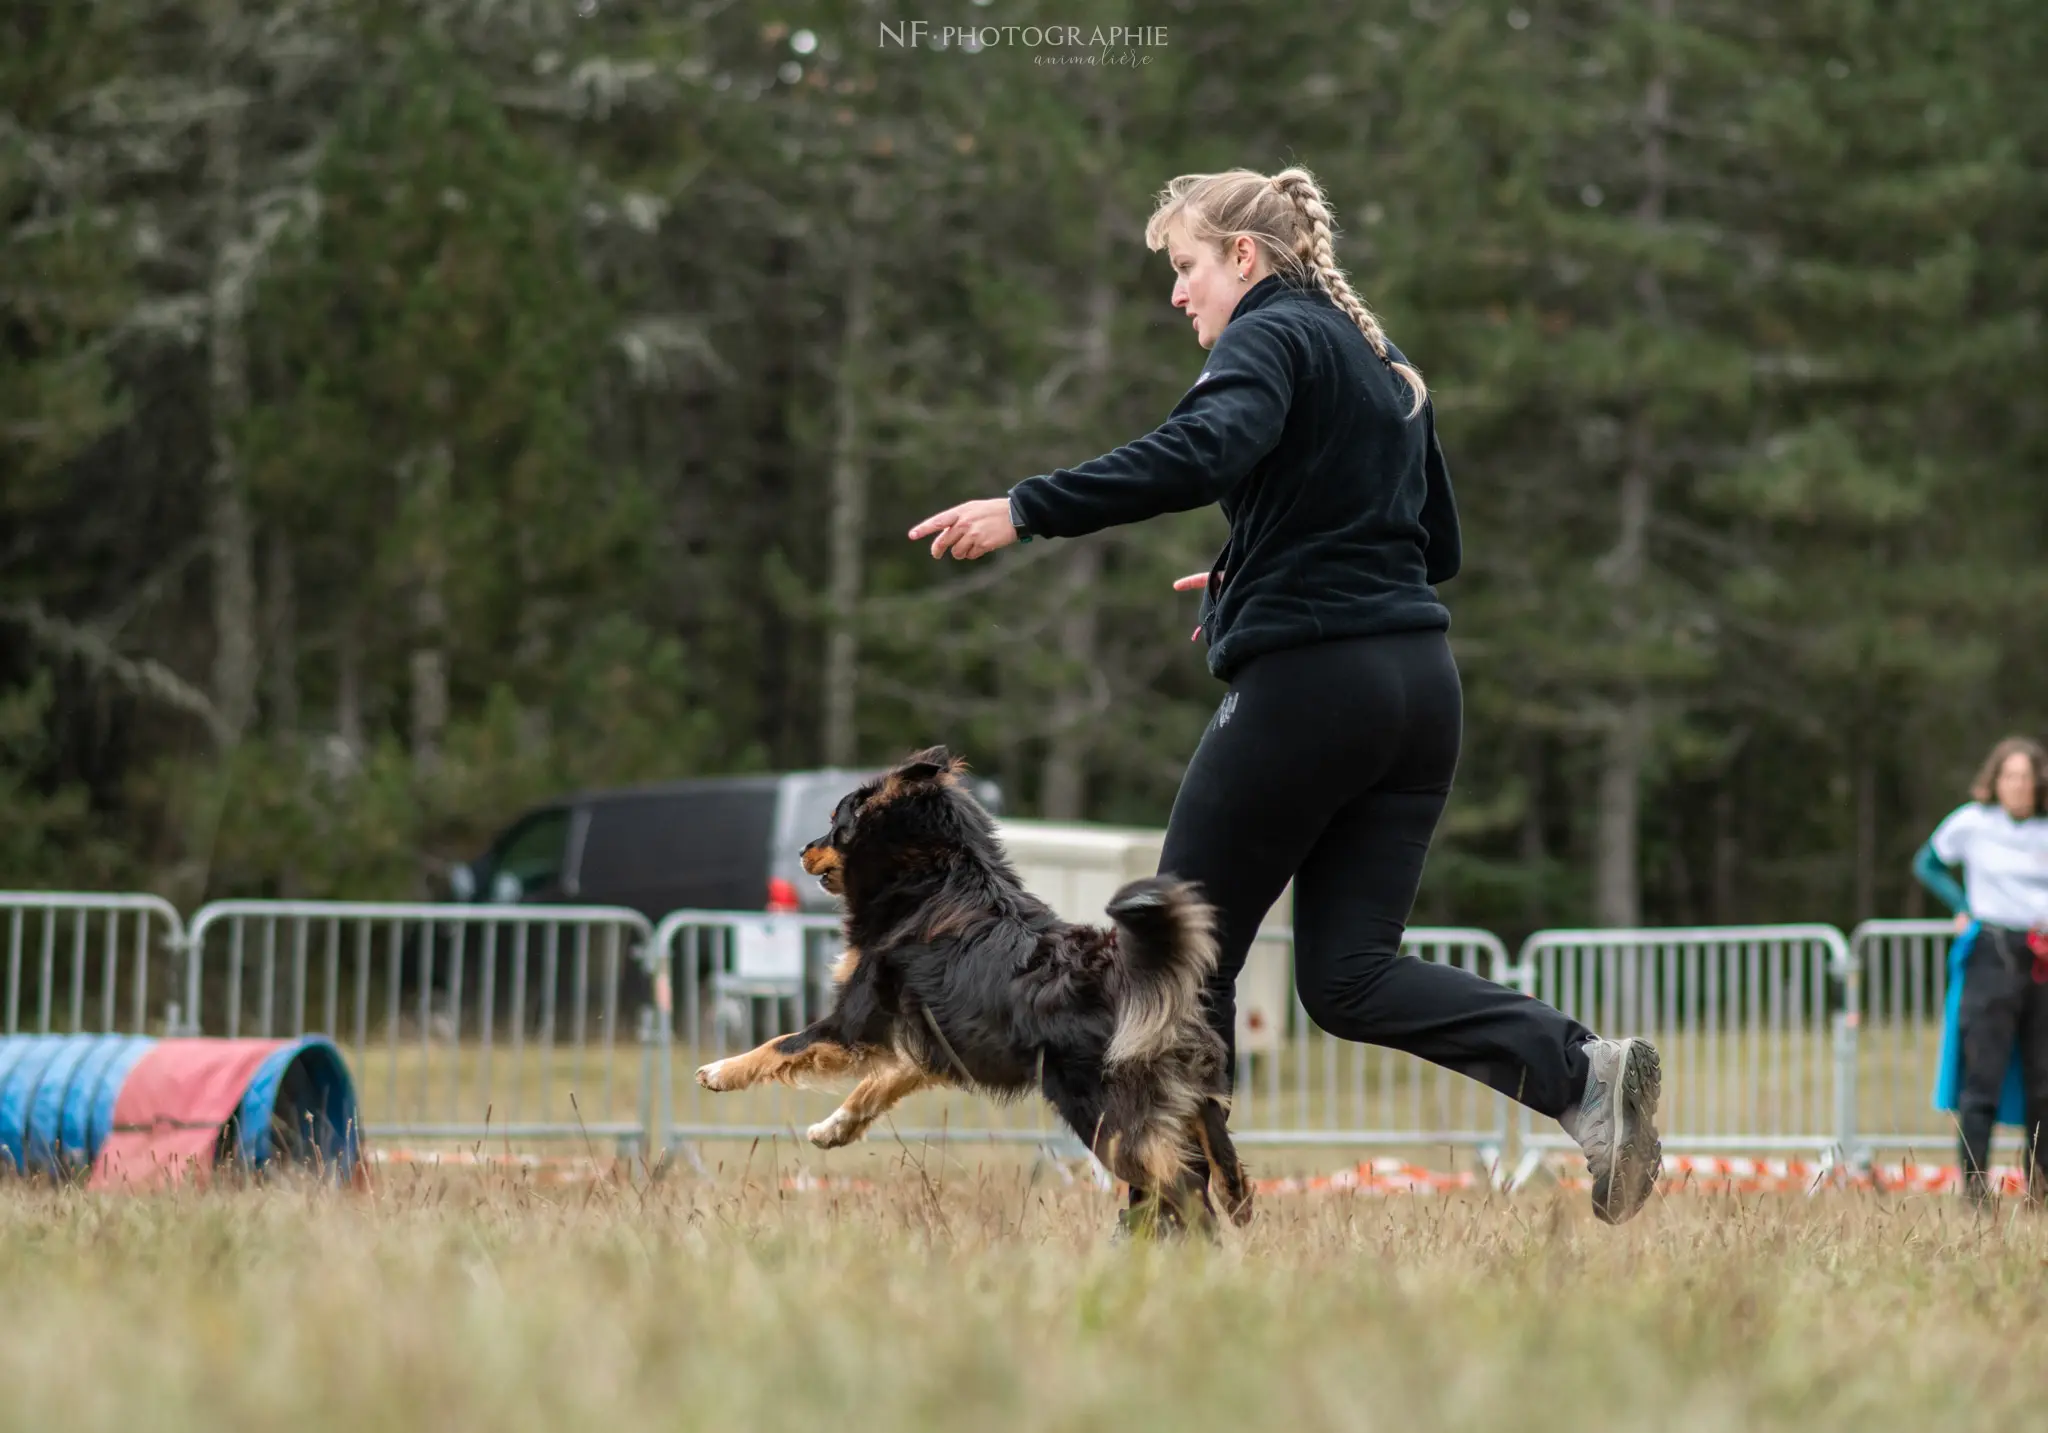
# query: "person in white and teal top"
1997, 1018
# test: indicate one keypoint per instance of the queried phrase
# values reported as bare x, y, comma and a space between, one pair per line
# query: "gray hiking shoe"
1615, 1122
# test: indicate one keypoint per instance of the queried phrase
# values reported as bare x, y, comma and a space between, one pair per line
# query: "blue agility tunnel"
136, 1110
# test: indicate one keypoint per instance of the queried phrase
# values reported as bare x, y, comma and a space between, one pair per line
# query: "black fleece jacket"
1340, 508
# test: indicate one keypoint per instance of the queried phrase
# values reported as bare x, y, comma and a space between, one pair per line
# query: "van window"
813, 803
532, 851
705, 849
808, 799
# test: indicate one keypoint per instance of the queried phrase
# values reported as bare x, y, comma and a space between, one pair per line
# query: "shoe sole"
1636, 1157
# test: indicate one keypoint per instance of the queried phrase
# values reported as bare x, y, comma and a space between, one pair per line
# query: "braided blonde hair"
1288, 217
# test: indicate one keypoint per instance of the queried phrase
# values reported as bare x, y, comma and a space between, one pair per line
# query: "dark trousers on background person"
1330, 765
2001, 1004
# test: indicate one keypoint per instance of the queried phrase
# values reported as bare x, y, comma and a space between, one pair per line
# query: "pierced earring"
1244, 278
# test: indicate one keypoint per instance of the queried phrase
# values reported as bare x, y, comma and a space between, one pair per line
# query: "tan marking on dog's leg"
1208, 1150
821, 1060
872, 1098
1163, 1155
739, 1072
1226, 1173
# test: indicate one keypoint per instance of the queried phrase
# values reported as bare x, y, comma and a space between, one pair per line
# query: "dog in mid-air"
954, 974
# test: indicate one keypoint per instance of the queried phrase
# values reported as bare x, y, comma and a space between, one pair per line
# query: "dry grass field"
949, 1291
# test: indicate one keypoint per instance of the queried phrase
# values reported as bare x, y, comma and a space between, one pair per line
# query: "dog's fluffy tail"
1166, 939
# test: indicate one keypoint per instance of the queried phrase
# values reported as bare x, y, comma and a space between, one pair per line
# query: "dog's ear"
933, 764
929, 764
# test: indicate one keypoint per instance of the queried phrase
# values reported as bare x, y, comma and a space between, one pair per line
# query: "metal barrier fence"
1320, 1090
725, 982
1754, 1024
459, 1021
537, 1022
1905, 991
79, 963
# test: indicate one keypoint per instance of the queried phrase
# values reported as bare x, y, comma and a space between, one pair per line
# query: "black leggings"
2001, 1004
1329, 764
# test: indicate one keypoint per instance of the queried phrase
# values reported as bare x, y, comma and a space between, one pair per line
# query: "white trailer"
1075, 867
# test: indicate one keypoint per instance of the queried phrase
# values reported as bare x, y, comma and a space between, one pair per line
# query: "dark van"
727, 843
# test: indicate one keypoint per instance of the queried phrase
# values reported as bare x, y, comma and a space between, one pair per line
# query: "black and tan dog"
954, 974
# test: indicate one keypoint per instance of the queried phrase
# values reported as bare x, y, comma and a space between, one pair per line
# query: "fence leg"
175, 1013
664, 1071
1848, 1026
1058, 1152
1492, 1164
1829, 1174
650, 1134
693, 1157
1531, 1161
629, 1152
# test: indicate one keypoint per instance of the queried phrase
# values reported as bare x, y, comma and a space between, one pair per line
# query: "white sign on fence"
768, 949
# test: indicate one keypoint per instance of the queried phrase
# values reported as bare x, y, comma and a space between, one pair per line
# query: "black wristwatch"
1024, 534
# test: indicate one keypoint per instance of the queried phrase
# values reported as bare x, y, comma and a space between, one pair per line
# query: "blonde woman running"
1330, 756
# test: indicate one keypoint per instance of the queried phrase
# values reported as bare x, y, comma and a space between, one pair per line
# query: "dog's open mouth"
823, 862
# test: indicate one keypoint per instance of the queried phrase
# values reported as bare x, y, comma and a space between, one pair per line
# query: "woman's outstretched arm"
1218, 431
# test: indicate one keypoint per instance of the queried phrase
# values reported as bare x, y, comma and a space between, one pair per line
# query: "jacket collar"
1275, 288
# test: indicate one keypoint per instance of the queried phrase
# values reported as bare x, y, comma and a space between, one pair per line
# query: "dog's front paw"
709, 1077
833, 1131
